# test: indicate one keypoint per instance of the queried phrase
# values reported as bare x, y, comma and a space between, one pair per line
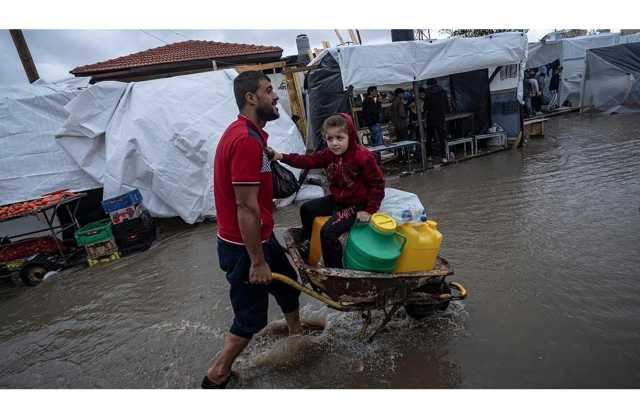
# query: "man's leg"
442, 141
376, 134
293, 322
219, 371
430, 135
250, 303
554, 99
287, 297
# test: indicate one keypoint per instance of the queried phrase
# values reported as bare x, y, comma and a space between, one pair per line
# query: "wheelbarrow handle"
288, 281
461, 290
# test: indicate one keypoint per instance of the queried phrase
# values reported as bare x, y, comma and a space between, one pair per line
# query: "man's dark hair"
247, 82
371, 89
398, 91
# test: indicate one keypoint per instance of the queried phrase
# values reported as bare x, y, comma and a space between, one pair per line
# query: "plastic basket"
123, 201
135, 234
94, 232
107, 259
101, 249
130, 212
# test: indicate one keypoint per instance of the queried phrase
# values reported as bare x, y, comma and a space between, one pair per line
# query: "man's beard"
266, 113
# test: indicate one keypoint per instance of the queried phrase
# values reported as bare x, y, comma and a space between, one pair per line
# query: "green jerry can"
374, 246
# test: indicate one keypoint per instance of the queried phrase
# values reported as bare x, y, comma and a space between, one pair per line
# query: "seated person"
356, 184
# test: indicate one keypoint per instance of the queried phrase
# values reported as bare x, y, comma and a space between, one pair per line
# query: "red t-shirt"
240, 159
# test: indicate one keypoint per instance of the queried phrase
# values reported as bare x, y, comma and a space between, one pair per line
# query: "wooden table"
459, 141
453, 117
500, 136
395, 146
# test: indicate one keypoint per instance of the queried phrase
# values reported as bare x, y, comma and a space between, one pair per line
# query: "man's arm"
250, 226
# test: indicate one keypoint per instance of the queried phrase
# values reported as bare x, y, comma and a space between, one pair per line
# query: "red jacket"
355, 179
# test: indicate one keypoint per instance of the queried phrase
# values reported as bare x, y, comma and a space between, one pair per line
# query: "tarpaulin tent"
362, 66
571, 53
160, 136
612, 79
31, 161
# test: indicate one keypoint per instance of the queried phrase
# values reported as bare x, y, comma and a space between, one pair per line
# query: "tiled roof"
177, 52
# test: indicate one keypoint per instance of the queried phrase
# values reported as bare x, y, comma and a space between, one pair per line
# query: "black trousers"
341, 221
435, 132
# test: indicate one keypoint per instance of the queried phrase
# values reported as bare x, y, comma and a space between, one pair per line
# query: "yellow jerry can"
421, 250
315, 248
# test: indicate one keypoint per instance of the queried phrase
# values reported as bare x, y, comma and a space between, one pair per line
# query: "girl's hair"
334, 121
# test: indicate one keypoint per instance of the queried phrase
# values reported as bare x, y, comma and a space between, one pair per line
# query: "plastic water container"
374, 246
315, 249
422, 248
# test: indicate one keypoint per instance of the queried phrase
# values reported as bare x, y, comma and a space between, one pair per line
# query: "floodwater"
546, 239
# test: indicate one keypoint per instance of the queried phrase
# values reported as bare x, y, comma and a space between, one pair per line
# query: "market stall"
32, 254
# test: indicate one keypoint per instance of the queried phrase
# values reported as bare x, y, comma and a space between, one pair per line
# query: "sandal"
208, 384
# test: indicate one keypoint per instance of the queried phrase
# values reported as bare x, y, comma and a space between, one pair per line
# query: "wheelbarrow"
420, 293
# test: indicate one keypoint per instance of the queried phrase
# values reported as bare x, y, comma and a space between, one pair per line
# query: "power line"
153, 36
179, 34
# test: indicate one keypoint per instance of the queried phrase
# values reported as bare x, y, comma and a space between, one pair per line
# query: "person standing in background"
436, 105
541, 78
399, 116
554, 87
371, 109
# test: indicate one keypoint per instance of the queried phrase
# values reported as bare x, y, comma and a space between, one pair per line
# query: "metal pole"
24, 54
420, 126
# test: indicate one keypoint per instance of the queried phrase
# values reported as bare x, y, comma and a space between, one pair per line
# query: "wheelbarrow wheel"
32, 273
423, 310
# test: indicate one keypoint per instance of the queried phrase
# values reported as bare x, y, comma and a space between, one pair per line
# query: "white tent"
402, 62
571, 54
612, 79
160, 136
31, 161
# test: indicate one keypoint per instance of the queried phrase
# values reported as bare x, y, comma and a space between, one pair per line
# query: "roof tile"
176, 52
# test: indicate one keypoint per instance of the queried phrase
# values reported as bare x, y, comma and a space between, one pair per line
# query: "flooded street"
546, 240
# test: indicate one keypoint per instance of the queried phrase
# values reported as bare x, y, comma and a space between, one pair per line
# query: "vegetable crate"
28, 247
126, 200
102, 249
135, 234
94, 233
107, 259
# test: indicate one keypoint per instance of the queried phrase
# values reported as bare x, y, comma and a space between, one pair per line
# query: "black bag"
284, 181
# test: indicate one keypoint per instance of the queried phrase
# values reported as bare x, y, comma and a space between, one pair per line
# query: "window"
509, 71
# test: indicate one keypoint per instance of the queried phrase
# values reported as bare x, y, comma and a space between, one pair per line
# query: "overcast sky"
56, 52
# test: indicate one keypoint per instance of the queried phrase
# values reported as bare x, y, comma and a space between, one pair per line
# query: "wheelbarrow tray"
360, 290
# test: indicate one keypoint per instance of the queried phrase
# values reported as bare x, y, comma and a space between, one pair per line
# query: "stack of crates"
97, 239
133, 226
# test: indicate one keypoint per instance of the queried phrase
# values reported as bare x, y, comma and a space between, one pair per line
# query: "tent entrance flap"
470, 94
327, 96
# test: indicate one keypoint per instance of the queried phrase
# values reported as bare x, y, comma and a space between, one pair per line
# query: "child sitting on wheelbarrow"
356, 185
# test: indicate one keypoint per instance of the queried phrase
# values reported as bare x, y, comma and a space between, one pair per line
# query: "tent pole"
24, 54
423, 149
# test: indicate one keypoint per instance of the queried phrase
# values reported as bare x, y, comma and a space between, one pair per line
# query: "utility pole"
24, 54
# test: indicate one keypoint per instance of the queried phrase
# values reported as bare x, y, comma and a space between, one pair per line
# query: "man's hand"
275, 155
363, 216
259, 273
